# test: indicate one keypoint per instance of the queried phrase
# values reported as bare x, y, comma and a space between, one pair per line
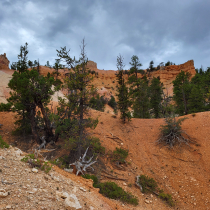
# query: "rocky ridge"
23, 187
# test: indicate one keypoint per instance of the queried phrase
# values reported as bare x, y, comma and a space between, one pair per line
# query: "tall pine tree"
156, 91
122, 89
181, 91
73, 119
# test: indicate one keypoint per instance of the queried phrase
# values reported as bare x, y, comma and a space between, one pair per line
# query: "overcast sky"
158, 30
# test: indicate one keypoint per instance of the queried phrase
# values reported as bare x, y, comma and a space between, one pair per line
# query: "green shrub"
5, 107
148, 184
27, 157
61, 162
3, 144
113, 191
167, 197
46, 167
93, 177
97, 103
96, 144
120, 155
112, 102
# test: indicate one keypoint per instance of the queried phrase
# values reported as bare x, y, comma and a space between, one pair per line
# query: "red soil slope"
182, 172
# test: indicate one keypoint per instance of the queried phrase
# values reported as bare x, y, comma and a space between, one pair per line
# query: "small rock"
3, 193
34, 189
8, 207
146, 201
56, 179
34, 170
151, 195
124, 184
121, 143
72, 202
69, 170
84, 190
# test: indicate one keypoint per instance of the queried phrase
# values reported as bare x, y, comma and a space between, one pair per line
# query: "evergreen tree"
138, 90
73, 119
133, 73
31, 91
181, 91
122, 89
196, 100
141, 102
156, 91
22, 64
151, 67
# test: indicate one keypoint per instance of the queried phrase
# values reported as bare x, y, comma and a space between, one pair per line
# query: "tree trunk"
48, 128
33, 125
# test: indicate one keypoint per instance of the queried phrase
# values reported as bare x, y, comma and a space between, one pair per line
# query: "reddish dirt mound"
182, 172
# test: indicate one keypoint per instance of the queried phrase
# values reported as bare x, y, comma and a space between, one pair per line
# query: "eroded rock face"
92, 65
169, 73
4, 62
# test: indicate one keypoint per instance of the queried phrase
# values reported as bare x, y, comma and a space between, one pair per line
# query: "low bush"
167, 198
97, 103
61, 162
3, 144
5, 107
112, 102
97, 147
113, 191
148, 184
93, 177
120, 155
44, 166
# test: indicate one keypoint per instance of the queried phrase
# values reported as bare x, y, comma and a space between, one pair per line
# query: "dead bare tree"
81, 164
172, 134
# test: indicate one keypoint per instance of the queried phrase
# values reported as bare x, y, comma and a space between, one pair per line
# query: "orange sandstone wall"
4, 62
169, 73
92, 65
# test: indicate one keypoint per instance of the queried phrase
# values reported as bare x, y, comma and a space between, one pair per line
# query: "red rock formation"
4, 62
106, 80
169, 72
92, 65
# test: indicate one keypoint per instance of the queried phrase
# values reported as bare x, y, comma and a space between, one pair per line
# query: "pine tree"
196, 101
133, 73
31, 91
181, 91
122, 89
156, 91
141, 102
73, 118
